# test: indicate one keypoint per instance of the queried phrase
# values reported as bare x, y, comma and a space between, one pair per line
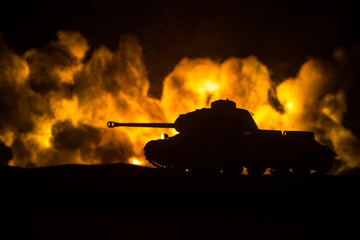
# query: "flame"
289, 106
57, 104
135, 161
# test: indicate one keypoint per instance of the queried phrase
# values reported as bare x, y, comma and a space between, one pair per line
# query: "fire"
135, 161
210, 86
57, 103
289, 106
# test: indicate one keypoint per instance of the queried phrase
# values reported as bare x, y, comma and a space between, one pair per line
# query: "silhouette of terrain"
127, 201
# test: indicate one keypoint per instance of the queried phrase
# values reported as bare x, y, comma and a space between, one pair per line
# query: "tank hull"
260, 150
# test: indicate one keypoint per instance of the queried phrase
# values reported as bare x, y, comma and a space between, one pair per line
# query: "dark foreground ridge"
129, 201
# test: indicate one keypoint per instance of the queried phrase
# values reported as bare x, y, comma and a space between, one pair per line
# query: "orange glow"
135, 161
113, 86
210, 86
289, 106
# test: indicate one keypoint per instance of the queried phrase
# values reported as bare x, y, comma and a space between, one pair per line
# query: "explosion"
55, 104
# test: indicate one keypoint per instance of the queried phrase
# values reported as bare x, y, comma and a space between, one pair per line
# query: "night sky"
281, 35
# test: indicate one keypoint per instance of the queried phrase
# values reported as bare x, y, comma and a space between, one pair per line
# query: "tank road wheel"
301, 171
213, 171
233, 168
320, 172
229, 171
280, 171
256, 171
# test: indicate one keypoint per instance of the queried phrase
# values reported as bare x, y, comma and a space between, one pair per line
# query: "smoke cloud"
55, 104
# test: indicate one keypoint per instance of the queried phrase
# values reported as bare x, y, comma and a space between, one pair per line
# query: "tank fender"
268, 132
299, 135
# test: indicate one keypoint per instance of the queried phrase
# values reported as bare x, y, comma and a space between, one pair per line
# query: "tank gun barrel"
112, 124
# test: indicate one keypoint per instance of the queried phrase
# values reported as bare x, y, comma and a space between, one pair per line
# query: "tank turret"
226, 139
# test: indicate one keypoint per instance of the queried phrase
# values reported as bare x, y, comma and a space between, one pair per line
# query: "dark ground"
130, 202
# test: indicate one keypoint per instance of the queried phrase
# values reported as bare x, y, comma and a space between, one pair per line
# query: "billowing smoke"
313, 101
54, 105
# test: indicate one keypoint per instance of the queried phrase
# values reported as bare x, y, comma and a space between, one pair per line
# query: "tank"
226, 139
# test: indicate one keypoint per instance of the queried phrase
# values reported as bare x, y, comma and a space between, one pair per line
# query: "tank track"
157, 165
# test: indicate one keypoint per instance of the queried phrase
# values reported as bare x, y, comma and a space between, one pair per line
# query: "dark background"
283, 35
121, 201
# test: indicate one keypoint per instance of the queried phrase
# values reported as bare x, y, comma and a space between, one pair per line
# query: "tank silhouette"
225, 138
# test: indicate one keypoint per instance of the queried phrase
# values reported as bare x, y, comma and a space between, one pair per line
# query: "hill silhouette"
121, 200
